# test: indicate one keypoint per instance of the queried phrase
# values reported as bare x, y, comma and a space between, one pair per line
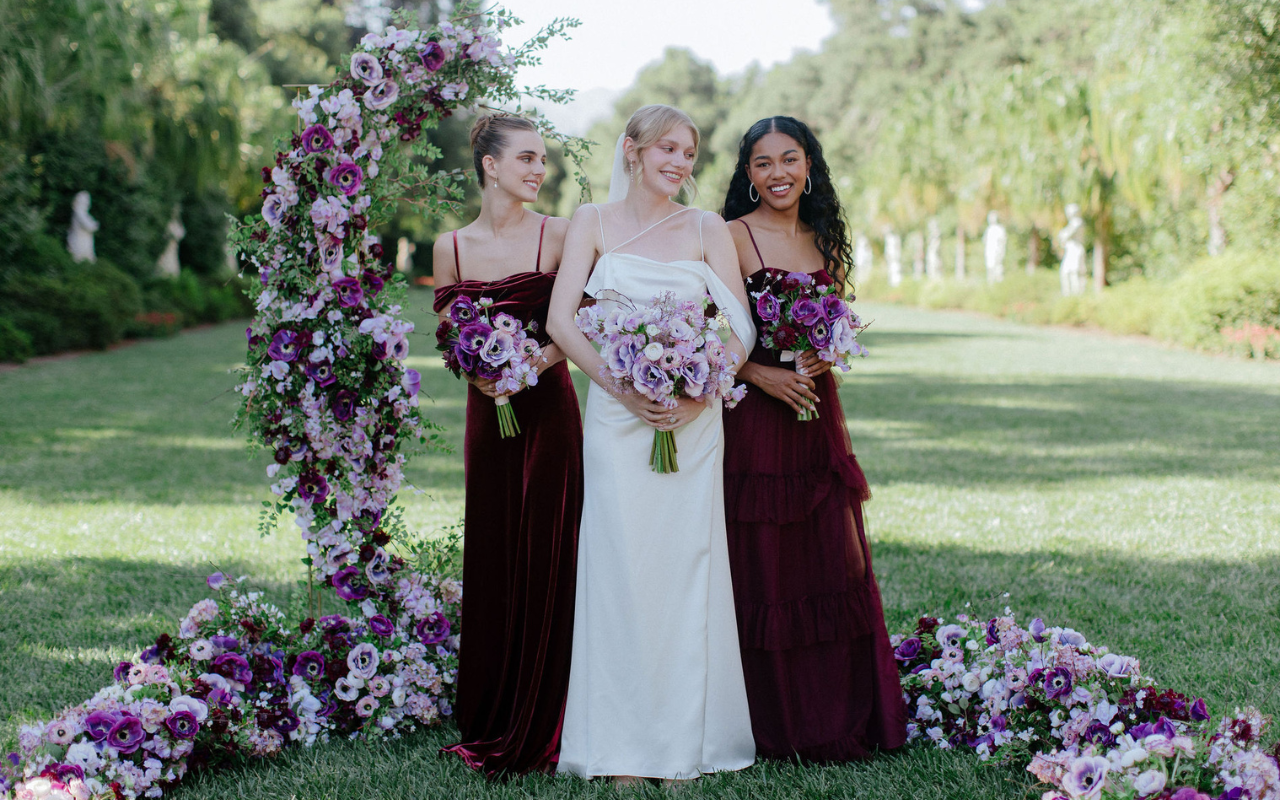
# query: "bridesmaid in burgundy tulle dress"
523, 494
821, 679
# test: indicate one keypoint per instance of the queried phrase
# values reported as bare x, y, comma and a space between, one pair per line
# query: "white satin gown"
655, 687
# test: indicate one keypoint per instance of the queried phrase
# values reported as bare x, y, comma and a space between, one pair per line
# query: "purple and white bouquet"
1090, 723
800, 314
666, 350
480, 343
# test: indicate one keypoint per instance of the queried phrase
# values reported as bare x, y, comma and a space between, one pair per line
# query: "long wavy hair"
820, 209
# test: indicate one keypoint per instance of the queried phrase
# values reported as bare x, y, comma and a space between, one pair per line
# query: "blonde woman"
656, 687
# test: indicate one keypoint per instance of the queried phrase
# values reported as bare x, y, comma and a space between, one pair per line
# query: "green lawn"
1127, 490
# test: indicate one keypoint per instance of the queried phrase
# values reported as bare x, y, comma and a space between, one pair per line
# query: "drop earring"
808, 184
752, 193
631, 170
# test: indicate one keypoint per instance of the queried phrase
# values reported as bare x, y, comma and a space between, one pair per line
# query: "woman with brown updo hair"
523, 494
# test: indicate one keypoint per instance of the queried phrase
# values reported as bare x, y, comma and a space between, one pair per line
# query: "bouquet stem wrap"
507, 425
662, 457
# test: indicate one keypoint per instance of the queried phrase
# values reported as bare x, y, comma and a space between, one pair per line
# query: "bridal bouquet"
800, 315
665, 350
492, 346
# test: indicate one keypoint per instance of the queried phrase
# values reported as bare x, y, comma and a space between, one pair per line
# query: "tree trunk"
1217, 230
960, 270
1033, 251
1101, 247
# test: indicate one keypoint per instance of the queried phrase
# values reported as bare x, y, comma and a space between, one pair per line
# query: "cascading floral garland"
326, 390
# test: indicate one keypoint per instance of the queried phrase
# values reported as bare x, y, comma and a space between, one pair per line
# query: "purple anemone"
342, 584
312, 486
99, 723
317, 139
126, 735
381, 626
349, 292
463, 310
805, 311
344, 405
309, 665
768, 307
347, 177
908, 650
285, 345
322, 373
382, 94
432, 56
233, 667
182, 724
433, 629
1057, 683
833, 308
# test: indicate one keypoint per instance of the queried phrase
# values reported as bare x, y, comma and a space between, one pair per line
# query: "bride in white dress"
655, 686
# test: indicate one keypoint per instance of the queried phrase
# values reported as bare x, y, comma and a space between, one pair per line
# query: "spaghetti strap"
643, 232
702, 249
537, 264
753, 242
457, 265
600, 219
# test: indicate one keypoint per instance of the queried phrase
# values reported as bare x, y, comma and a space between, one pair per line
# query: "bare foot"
676, 784
627, 780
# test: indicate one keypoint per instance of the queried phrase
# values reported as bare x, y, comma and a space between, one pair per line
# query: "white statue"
862, 259
995, 242
960, 254
404, 254
933, 251
80, 236
1072, 239
893, 256
915, 243
168, 261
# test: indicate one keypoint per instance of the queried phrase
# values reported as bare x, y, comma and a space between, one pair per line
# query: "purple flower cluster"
799, 313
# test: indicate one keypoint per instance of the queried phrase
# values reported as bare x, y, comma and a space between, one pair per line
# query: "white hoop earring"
752, 193
808, 184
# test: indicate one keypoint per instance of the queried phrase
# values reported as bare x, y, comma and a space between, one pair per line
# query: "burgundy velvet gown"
822, 684
523, 501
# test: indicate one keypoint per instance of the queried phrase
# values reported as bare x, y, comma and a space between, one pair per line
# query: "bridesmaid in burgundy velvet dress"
821, 680
523, 494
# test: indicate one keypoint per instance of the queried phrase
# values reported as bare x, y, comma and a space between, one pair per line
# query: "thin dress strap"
753, 242
537, 264
600, 219
643, 232
457, 265
702, 249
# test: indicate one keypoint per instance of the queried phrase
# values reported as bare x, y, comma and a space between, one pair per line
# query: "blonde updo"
489, 135
651, 123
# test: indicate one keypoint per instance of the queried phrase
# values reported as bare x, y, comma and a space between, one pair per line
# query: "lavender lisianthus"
346, 176
620, 354
309, 665
126, 735
381, 625
346, 588
182, 724
800, 278
432, 56
412, 382
805, 311
382, 94
285, 345
908, 650
317, 139
273, 210
216, 581
433, 629
365, 67
768, 307
1036, 629
833, 308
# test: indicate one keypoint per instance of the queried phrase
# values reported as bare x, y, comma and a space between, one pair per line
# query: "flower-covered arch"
327, 392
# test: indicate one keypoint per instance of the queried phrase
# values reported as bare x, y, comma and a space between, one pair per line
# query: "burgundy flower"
442, 333
785, 337
182, 724
432, 56
349, 292
346, 177
284, 345
312, 486
344, 405
374, 283
433, 629
993, 634
126, 735
317, 139
310, 665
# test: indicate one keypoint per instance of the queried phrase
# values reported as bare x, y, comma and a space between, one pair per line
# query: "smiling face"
521, 167
777, 169
664, 166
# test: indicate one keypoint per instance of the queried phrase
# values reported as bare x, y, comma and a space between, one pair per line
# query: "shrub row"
91, 306
1224, 304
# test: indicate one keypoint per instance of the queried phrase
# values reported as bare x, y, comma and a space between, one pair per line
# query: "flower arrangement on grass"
327, 391
1088, 721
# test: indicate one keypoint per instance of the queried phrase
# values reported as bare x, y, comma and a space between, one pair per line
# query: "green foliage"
1231, 302
90, 306
15, 343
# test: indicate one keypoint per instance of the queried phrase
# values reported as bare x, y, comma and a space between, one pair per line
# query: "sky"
617, 39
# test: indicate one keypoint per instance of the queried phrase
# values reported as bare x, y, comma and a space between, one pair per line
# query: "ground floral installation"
326, 390
1091, 725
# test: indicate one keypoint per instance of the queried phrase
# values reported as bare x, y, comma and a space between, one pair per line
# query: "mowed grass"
1126, 490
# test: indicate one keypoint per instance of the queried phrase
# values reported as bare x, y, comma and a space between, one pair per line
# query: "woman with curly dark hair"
822, 683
